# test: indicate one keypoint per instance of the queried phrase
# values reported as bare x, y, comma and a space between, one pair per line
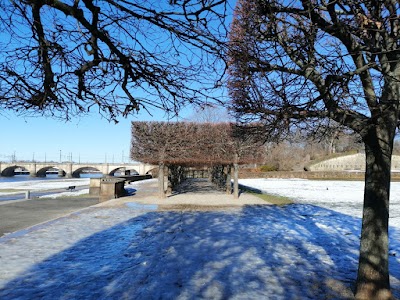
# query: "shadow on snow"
292, 252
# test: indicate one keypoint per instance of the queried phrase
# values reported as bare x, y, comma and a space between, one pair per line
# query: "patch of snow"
342, 196
39, 185
67, 194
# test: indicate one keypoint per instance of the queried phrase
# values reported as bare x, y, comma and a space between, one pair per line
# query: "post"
236, 176
210, 176
28, 195
236, 180
228, 179
161, 190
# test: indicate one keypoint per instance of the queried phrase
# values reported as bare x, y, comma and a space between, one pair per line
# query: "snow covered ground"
38, 185
53, 184
301, 251
345, 197
67, 194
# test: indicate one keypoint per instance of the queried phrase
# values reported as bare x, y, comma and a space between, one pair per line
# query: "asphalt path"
17, 215
35, 194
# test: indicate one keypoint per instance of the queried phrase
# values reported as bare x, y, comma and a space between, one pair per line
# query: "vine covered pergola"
220, 147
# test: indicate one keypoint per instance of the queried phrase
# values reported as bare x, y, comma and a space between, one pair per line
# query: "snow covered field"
301, 251
345, 197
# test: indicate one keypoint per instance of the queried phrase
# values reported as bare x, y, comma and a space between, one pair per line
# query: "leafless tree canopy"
193, 144
62, 58
293, 61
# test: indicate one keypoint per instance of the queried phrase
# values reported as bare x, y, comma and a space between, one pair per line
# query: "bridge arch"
42, 171
10, 171
153, 171
76, 173
126, 170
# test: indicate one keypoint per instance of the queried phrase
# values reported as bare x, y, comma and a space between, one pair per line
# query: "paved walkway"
17, 215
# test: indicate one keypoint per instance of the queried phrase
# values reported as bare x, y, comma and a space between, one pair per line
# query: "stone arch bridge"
70, 169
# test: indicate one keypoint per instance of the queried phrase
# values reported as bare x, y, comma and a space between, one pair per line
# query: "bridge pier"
32, 170
68, 171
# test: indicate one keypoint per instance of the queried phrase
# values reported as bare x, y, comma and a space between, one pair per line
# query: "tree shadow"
260, 252
196, 185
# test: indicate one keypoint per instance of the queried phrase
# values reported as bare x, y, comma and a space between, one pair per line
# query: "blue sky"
88, 138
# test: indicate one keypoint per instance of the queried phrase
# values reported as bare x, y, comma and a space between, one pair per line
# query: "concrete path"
197, 194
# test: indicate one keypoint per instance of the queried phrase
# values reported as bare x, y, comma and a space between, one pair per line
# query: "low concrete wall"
94, 187
354, 162
107, 188
311, 175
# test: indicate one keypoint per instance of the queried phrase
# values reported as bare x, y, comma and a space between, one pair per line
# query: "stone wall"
328, 175
354, 162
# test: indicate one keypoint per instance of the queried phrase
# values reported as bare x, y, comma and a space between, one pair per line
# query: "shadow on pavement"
268, 252
196, 185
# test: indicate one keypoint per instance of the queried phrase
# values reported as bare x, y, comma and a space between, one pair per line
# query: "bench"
71, 188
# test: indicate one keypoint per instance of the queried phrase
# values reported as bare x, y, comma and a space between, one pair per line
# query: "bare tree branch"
118, 56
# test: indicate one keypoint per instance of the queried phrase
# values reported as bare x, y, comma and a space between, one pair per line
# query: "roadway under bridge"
39, 169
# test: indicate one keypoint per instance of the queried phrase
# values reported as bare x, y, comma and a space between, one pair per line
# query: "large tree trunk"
373, 270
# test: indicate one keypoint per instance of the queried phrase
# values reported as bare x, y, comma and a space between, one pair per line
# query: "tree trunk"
236, 180
210, 171
228, 179
373, 270
161, 189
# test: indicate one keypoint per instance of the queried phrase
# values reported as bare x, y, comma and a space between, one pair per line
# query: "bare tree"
162, 144
194, 144
62, 58
301, 62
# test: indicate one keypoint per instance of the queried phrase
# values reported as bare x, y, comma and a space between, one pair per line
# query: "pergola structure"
220, 147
